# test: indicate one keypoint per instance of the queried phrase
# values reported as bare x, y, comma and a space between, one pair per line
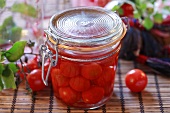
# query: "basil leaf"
16, 51
24, 9
2, 3
8, 78
148, 23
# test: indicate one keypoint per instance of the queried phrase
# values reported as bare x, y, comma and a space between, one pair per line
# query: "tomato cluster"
80, 84
33, 72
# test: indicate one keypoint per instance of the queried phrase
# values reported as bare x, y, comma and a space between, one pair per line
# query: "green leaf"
150, 10
148, 23
15, 33
1, 56
136, 14
1, 70
8, 23
2, 3
8, 78
24, 9
13, 67
115, 8
143, 6
120, 11
167, 8
158, 18
16, 51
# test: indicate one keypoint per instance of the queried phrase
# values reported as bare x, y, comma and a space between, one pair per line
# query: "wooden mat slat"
155, 98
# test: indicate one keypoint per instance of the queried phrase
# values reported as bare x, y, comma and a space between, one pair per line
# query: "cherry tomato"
80, 83
69, 69
107, 77
101, 3
59, 78
55, 84
127, 10
28, 67
68, 95
136, 80
91, 71
91, 0
93, 95
35, 80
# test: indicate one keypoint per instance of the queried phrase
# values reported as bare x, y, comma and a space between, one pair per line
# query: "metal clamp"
45, 54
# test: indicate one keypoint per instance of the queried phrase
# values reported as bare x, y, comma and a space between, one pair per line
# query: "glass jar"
84, 45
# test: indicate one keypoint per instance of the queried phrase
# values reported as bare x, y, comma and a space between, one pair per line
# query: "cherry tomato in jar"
59, 78
91, 71
136, 80
68, 95
107, 76
35, 80
80, 83
69, 69
93, 95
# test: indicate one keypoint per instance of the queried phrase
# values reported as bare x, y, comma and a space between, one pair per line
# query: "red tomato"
136, 80
108, 89
35, 80
59, 78
80, 83
91, 71
54, 83
91, 0
93, 95
28, 67
107, 76
68, 95
69, 69
101, 3
127, 10
106, 80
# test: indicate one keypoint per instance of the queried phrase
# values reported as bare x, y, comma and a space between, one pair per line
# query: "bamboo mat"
154, 99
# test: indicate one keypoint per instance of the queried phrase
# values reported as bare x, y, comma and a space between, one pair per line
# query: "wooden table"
155, 98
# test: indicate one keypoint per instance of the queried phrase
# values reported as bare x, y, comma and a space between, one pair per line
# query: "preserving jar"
83, 45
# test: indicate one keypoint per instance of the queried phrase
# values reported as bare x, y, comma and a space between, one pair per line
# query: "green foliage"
16, 51
144, 11
8, 70
25, 9
2, 3
9, 31
158, 18
7, 78
148, 23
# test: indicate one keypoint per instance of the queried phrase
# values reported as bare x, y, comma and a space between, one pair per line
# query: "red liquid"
84, 84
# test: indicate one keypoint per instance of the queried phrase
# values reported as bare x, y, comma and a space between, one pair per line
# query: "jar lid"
86, 26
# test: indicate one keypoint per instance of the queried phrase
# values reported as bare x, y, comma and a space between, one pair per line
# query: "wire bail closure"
45, 54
